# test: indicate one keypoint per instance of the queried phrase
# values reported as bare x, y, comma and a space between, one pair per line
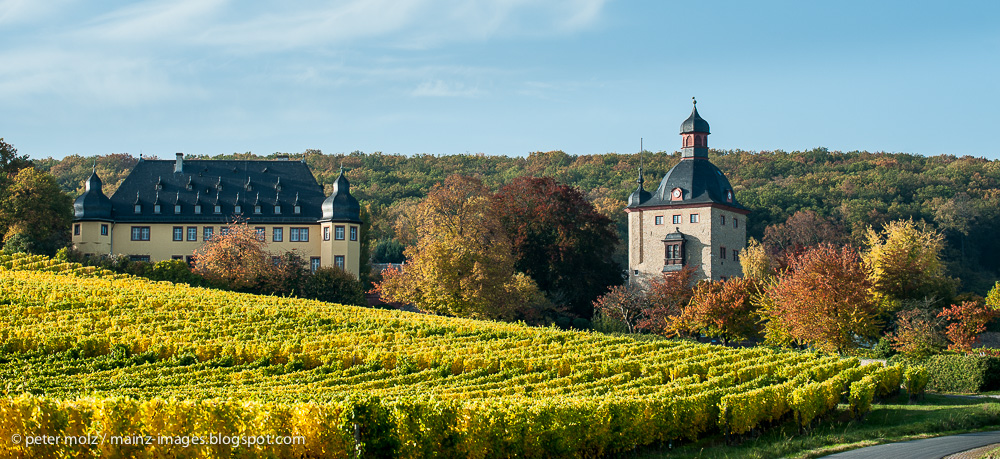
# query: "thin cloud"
438, 88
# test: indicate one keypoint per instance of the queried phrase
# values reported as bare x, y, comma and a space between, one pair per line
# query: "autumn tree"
918, 333
802, 230
236, 257
968, 320
823, 300
462, 263
35, 215
626, 304
560, 240
756, 262
666, 297
723, 309
903, 262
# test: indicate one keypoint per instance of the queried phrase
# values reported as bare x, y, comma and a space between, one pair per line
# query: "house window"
138, 208
354, 233
261, 234
338, 232
736, 223
722, 253
256, 209
177, 208
694, 218
192, 233
736, 255
223, 231
218, 209
276, 234
197, 209
658, 220
139, 258
677, 219
206, 233
338, 261
299, 235
76, 229
326, 233
277, 210
314, 264
140, 233
156, 208
674, 254
238, 209
104, 230
178, 233
190, 260
722, 218
297, 209
177, 257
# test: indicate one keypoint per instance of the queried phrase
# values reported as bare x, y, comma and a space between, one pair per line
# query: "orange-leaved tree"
823, 300
969, 319
723, 309
236, 257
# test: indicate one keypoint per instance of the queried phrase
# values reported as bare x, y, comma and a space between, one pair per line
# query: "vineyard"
88, 352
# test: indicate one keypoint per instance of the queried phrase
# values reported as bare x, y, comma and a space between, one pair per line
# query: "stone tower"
692, 219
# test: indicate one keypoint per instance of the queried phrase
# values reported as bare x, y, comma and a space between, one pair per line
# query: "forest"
847, 191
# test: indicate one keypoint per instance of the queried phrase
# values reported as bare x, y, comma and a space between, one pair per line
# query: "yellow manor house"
164, 210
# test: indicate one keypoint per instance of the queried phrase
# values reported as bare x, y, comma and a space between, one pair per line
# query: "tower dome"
92, 204
341, 206
694, 123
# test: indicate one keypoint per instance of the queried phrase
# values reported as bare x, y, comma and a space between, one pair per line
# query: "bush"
334, 285
961, 373
915, 380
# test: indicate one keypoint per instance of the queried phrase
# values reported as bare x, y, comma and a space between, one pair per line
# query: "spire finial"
694, 101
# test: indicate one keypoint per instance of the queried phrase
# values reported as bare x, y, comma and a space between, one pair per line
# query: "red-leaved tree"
969, 319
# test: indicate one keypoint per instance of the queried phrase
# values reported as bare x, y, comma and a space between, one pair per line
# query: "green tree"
36, 215
462, 263
334, 285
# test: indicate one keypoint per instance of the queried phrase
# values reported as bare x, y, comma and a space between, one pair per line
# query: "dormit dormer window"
138, 208
277, 210
177, 208
197, 209
297, 210
218, 209
238, 209
156, 208
256, 209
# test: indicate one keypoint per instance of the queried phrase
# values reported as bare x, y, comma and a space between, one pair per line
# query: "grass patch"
890, 422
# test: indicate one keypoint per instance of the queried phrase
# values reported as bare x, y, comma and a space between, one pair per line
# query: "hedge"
960, 373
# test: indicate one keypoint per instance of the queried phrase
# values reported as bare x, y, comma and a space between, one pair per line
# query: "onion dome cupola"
694, 131
341, 206
92, 204
640, 195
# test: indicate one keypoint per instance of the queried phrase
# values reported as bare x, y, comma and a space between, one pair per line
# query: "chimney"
179, 164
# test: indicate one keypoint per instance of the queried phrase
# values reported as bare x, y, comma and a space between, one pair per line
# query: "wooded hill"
960, 196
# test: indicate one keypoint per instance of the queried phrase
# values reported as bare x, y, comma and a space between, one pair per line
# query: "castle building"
164, 210
692, 219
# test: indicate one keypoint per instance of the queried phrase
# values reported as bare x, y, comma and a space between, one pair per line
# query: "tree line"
846, 192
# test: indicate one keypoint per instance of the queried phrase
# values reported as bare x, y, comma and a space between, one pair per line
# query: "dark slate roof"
341, 206
222, 182
640, 194
694, 123
92, 204
699, 180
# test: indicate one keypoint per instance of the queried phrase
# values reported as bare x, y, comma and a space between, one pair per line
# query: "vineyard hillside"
85, 352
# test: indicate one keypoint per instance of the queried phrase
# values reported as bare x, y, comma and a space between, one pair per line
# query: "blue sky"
501, 77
